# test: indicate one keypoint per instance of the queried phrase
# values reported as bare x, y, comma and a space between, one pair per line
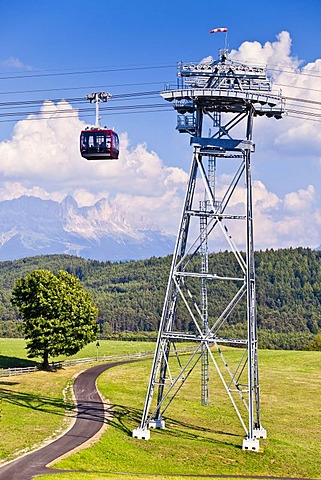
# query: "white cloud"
11, 190
287, 222
272, 54
301, 201
164, 211
279, 222
15, 63
287, 150
295, 136
42, 159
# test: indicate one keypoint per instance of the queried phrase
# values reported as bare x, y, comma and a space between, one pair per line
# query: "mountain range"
31, 226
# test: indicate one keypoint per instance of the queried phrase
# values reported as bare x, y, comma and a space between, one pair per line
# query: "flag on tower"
220, 29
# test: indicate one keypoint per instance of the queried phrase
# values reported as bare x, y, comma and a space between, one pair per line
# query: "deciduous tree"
58, 315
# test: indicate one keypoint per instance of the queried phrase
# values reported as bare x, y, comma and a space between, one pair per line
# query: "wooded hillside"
130, 295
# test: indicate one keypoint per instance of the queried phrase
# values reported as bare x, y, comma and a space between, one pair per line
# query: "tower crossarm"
211, 214
223, 144
208, 338
208, 276
228, 101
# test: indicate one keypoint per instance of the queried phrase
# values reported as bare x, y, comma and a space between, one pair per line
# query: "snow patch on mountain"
32, 226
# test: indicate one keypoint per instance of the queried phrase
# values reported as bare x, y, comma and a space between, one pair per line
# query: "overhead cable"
85, 72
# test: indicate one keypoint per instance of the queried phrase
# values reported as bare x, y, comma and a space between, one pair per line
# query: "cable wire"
78, 102
85, 72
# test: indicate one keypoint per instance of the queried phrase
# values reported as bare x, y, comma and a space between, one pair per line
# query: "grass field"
32, 409
33, 406
13, 351
136, 476
207, 440
197, 440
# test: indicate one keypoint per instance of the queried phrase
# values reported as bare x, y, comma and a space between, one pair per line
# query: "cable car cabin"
99, 144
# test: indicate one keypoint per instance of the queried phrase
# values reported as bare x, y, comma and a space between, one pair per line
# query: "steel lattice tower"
229, 95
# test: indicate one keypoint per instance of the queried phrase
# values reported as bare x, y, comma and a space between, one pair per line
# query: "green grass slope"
33, 406
207, 440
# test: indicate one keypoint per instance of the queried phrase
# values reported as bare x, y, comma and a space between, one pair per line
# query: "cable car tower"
228, 95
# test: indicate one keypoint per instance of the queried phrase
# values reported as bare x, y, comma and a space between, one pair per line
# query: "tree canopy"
58, 314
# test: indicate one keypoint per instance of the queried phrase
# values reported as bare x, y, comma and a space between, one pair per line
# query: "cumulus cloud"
15, 63
42, 159
301, 201
11, 190
287, 150
271, 54
287, 221
279, 222
298, 83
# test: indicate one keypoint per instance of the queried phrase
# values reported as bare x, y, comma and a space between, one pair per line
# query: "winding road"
90, 418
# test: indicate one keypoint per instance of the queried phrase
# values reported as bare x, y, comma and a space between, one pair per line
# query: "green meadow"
197, 440
13, 351
36, 407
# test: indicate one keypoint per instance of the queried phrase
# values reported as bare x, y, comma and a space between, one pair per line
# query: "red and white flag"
220, 29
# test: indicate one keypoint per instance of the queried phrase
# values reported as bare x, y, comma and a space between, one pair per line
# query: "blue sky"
135, 47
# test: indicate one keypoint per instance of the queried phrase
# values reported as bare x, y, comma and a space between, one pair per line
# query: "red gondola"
98, 143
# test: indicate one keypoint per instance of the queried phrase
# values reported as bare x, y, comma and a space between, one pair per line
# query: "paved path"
89, 420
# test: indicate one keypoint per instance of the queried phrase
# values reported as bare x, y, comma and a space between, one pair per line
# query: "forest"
130, 295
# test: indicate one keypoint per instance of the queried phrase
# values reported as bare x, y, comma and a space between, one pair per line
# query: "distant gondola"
98, 143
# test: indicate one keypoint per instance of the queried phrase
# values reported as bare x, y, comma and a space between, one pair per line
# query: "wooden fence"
8, 372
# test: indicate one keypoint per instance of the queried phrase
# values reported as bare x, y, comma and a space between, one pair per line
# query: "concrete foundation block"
251, 444
259, 433
141, 433
157, 423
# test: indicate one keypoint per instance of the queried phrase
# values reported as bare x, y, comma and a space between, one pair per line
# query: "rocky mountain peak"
31, 226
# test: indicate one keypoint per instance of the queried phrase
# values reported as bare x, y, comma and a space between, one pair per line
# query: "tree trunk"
45, 363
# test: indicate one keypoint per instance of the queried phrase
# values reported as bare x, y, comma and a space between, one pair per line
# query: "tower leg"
162, 349
255, 430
